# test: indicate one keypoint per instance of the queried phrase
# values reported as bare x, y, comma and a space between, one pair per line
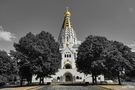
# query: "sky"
114, 19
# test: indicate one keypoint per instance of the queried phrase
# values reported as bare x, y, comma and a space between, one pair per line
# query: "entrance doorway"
68, 77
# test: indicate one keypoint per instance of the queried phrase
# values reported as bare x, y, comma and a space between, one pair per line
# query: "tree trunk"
21, 81
42, 80
119, 79
93, 81
39, 80
95, 78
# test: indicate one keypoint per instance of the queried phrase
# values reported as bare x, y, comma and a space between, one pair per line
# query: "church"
68, 48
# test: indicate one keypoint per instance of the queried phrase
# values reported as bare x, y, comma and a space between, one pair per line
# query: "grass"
24, 87
111, 87
36, 86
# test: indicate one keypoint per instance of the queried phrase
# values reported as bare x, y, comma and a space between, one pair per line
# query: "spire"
67, 36
67, 22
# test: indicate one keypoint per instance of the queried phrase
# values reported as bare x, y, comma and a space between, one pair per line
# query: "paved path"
70, 88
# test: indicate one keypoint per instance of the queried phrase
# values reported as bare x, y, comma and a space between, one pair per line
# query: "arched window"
65, 55
68, 66
69, 55
77, 77
58, 78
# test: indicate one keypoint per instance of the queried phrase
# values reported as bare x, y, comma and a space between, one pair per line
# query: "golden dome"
67, 13
67, 62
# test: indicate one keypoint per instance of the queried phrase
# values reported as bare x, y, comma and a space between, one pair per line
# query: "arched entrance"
68, 77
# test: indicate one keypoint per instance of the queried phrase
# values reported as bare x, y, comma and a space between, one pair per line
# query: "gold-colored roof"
67, 13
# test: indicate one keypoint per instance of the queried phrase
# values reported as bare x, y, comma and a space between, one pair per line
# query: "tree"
42, 53
118, 60
7, 69
97, 55
89, 56
131, 73
23, 65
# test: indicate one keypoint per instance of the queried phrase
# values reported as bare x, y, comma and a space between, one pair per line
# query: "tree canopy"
98, 55
40, 52
89, 55
7, 68
116, 61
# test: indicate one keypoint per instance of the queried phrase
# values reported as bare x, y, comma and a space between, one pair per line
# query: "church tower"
67, 36
68, 48
68, 42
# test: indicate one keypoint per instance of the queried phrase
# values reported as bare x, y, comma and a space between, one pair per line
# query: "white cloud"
7, 36
131, 45
133, 50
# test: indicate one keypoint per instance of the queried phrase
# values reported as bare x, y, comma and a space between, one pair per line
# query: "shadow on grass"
86, 84
16, 86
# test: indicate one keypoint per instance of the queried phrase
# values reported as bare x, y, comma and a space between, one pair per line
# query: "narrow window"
58, 78
69, 55
77, 77
67, 39
99, 78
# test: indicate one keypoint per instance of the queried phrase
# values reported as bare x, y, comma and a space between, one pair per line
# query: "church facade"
68, 48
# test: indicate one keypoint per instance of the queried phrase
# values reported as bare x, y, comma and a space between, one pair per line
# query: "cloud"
131, 45
7, 36
133, 50
131, 10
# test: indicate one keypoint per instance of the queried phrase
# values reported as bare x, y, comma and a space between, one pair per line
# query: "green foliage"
131, 72
118, 59
24, 67
7, 68
89, 58
97, 55
41, 52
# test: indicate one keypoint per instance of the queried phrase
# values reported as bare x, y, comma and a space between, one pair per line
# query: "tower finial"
67, 8
67, 13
